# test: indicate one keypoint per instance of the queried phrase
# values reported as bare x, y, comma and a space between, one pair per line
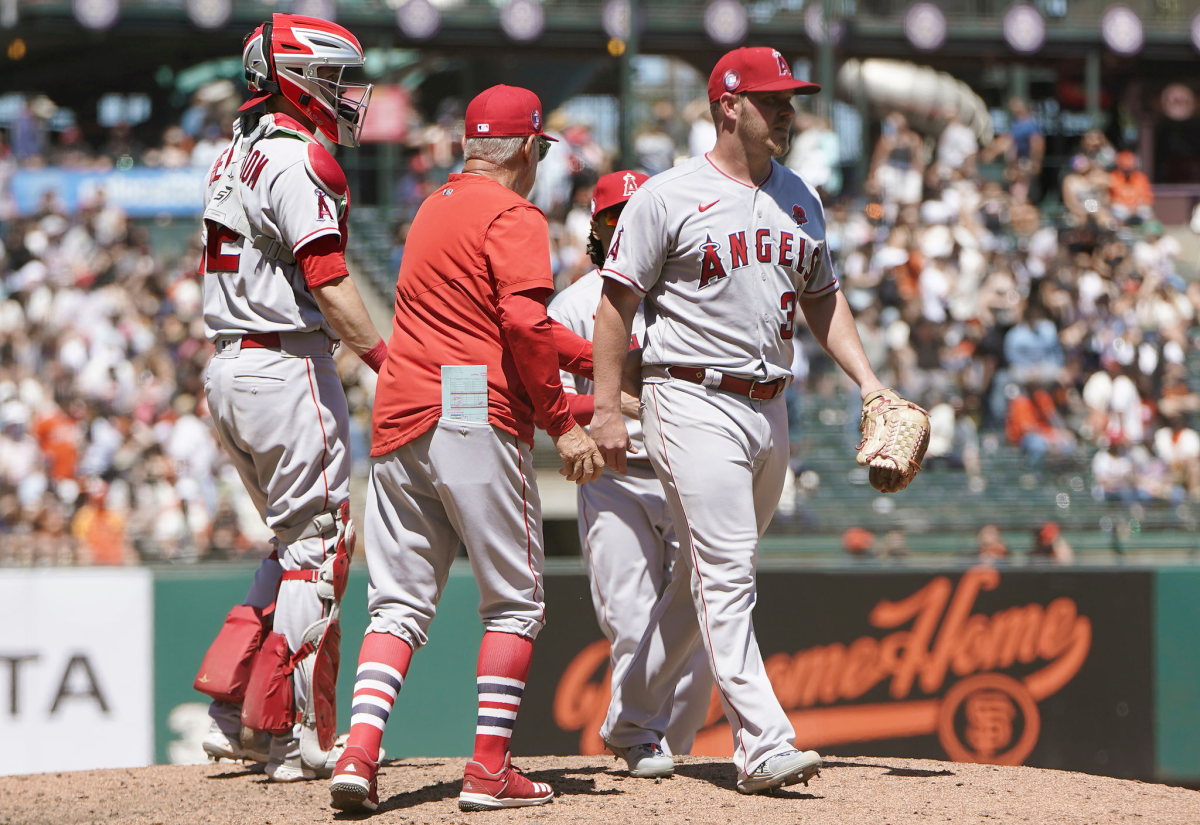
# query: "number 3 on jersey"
787, 302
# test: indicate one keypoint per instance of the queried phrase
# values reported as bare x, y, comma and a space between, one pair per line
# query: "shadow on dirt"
724, 775
238, 773
890, 771
565, 781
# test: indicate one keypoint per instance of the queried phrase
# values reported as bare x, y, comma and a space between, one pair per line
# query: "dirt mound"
850, 790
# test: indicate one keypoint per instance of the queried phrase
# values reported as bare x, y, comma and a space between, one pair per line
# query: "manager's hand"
581, 459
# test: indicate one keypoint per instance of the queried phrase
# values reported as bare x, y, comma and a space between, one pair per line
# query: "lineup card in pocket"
465, 393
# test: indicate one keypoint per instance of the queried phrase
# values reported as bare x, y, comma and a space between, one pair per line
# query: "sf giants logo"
323, 210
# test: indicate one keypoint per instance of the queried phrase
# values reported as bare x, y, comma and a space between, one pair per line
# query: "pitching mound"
850, 790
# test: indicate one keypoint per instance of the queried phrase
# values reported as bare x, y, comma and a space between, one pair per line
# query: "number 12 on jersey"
787, 302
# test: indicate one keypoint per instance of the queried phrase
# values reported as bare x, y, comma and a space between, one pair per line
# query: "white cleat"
292, 768
647, 761
219, 745
780, 770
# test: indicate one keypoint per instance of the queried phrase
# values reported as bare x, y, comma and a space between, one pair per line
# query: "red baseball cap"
505, 111
757, 69
615, 188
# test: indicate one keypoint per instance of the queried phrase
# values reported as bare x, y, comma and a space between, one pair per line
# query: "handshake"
581, 458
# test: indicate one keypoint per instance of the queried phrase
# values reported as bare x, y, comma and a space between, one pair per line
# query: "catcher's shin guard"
320, 651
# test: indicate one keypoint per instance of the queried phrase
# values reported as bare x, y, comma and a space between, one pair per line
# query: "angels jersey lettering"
285, 201
721, 264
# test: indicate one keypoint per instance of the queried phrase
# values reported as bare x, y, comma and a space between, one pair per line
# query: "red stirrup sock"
382, 666
503, 668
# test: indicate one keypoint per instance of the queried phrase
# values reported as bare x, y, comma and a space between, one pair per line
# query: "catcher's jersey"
291, 192
575, 309
721, 263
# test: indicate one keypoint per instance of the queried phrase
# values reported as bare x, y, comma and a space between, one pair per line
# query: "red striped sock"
382, 666
503, 668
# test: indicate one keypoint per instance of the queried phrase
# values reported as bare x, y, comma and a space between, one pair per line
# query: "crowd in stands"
107, 453
1058, 321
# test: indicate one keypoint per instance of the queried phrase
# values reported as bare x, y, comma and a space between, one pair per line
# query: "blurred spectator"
1024, 148
897, 166
953, 439
956, 148
815, 154
1035, 425
702, 134
1113, 477
1129, 191
1179, 448
99, 530
990, 544
1032, 348
1098, 150
1048, 543
1085, 194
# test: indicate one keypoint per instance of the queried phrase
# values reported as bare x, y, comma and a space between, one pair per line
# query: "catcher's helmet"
284, 56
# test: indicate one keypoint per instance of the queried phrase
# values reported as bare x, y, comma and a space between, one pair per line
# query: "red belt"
263, 340
754, 390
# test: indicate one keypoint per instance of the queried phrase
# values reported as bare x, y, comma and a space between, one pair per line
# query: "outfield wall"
1094, 669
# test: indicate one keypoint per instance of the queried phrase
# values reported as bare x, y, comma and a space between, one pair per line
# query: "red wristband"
373, 358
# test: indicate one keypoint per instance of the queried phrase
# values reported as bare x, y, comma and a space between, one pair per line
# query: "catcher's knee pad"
225, 672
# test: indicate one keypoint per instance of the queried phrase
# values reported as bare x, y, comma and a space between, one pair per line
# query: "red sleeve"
531, 339
517, 250
574, 352
583, 407
322, 260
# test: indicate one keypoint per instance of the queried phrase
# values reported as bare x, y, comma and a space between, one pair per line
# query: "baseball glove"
895, 435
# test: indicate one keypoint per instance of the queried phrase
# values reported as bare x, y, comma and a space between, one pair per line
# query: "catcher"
724, 249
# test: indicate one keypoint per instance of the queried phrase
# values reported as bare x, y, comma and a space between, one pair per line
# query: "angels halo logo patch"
732, 80
536, 117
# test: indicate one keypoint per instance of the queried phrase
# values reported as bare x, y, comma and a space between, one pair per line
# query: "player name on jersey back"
721, 264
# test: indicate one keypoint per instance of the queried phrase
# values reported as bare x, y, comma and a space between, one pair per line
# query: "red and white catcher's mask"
304, 59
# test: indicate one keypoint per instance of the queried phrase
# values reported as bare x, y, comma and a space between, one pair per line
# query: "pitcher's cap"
755, 69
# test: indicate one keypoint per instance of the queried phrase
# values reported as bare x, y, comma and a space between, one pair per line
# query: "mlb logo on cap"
505, 111
758, 69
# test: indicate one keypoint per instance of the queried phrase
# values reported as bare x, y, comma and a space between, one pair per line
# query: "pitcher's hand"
630, 406
582, 462
612, 439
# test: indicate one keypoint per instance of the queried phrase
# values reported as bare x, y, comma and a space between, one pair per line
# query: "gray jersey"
575, 309
721, 263
268, 194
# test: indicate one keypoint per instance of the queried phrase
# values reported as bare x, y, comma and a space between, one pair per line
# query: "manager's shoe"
507, 788
780, 770
355, 784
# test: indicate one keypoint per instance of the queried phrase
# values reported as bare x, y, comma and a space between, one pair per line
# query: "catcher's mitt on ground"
895, 435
